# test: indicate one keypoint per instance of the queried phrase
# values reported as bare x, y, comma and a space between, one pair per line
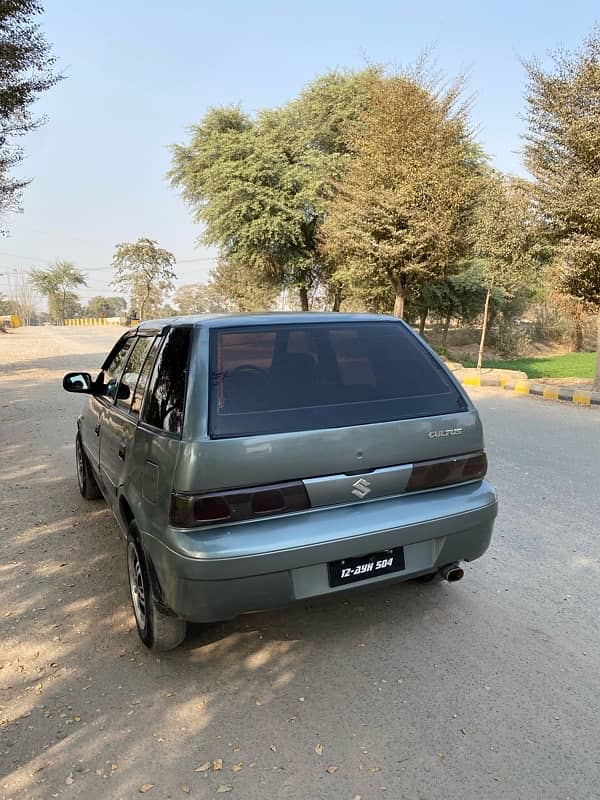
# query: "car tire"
158, 629
88, 487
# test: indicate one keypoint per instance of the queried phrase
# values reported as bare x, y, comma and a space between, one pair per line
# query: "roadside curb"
545, 391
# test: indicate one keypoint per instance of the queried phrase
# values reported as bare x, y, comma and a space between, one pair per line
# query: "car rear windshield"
280, 378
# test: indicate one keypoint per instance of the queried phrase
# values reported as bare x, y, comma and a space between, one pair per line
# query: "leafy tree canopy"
258, 185
101, 306
57, 284
241, 289
562, 152
26, 70
505, 238
401, 212
145, 270
198, 298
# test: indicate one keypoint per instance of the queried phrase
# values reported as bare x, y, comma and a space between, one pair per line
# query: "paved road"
485, 689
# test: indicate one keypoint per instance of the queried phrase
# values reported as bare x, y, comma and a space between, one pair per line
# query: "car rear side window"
273, 379
165, 405
113, 369
131, 375
140, 389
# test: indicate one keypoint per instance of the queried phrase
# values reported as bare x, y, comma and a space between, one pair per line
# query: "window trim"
111, 402
114, 349
128, 410
142, 422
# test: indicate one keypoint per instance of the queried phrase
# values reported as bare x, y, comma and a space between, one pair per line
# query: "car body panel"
287, 534
90, 423
216, 464
117, 436
209, 573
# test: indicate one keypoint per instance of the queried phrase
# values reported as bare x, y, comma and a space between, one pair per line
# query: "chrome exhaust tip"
452, 573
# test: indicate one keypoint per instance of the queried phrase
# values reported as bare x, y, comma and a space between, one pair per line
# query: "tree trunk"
399, 301
143, 305
337, 300
596, 386
484, 327
303, 292
62, 308
446, 329
577, 337
423, 321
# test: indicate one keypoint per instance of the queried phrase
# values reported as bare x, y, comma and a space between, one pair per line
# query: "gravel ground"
484, 689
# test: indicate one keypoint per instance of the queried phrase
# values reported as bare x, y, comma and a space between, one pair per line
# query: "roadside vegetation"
570, 365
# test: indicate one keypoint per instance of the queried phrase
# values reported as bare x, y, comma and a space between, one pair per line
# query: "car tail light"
195, 510
447, 471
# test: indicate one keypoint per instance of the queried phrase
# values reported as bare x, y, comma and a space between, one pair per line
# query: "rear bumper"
217, 574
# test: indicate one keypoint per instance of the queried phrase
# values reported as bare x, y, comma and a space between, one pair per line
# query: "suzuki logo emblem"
361, 488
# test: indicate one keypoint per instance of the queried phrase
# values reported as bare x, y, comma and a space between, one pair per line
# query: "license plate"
350, 570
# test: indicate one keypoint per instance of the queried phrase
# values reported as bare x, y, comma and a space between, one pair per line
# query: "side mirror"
78, 382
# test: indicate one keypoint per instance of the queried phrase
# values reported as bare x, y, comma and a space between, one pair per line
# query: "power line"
95, 242
27, 258
59, 235
101, 269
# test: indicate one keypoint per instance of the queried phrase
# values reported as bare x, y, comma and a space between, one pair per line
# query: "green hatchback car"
254, 460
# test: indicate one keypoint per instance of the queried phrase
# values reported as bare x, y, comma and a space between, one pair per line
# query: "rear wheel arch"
88, 485
133, 532
127, 516
159, 629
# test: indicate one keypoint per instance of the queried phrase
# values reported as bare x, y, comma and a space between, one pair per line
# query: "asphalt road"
489, 688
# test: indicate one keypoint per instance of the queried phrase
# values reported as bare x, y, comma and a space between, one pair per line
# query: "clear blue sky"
139, 73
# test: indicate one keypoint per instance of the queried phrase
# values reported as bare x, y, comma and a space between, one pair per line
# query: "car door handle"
97, 429
122, 452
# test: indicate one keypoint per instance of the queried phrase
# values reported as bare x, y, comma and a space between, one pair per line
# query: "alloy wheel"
136, 586
80, 465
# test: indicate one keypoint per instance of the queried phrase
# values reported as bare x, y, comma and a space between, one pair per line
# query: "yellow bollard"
582, 397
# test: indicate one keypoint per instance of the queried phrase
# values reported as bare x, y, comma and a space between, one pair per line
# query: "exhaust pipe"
452, 572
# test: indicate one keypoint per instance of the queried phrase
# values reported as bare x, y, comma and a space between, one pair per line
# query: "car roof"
267, 318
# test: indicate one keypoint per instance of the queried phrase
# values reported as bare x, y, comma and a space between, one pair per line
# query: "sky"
138, 73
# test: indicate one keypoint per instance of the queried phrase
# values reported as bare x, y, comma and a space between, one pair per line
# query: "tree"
229, 288
57, 284
259, 185
401, 212
166, 310
241, 289
146, 271
505, 240
100, 306
25, 72
22, 295
199, 298
324, 118
562, 152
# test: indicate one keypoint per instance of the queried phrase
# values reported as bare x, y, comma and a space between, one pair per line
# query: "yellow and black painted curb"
546, 391
87, 321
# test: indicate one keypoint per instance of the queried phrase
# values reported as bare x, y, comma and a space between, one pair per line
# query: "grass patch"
570, 365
